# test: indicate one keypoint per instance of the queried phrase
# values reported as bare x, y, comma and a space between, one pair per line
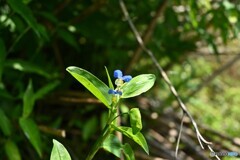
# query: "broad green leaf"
92, 83
135, 120
128, 152
12, 150
32, 133
112, 145
28, 100
59, 152
138, 138
138, 85
24, 11
90, 127
46, 89
25, 66
2, 57
110, 84
5, 124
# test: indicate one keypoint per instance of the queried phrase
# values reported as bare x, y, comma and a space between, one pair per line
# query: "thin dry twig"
179, 135
164, 75
53, 131
147, 34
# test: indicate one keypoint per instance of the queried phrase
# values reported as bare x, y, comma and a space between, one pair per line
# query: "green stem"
105, 133
99, 142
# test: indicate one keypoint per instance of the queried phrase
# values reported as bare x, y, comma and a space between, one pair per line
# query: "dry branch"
164, 76
147, 35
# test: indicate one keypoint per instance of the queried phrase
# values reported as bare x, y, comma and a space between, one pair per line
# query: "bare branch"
179, 135
163, 73
147, 35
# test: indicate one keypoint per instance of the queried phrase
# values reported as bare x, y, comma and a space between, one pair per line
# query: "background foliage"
40, 101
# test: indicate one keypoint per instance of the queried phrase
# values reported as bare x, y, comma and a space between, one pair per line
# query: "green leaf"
138, 138
26, 14
25, 66
32, 133
135, 120
12, 150
138, 85
112, 145
28, 100
46, 89
59, 152
5, 124
92, 83
110, 84
128, 152
2, 57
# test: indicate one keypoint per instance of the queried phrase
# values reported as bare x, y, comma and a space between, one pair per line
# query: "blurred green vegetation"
39, 39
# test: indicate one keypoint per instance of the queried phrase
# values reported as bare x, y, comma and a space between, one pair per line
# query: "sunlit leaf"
92, 83
28, 100
138, 138
31, 131
112, 145
138, 85
135, 120
59, 152
5, 124
12, 150
128, 152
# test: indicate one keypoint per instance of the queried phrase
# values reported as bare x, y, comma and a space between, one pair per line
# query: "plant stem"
99, 142
105, 133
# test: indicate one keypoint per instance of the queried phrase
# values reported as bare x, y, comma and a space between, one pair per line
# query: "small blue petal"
111, 91
126, 78
117, 74
119, 92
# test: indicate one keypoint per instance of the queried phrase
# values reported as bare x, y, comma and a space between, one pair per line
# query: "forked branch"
201, 140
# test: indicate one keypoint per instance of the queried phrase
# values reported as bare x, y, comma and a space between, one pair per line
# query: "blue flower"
111, 91
127, 78
119, 75
120, 79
